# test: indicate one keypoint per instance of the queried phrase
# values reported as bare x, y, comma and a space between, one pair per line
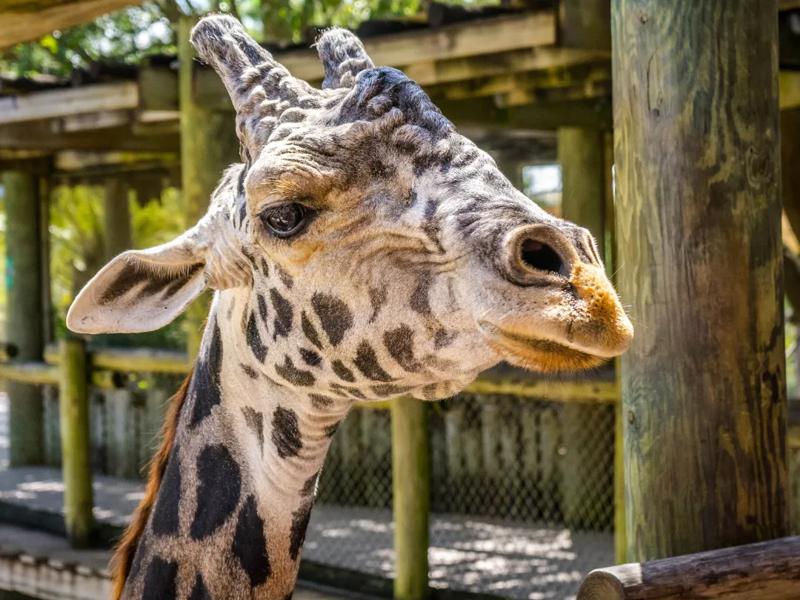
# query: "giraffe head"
371, 246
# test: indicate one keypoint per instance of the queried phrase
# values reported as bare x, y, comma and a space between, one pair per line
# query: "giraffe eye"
285, 220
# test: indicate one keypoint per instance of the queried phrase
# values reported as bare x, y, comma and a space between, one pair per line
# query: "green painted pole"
75, 451
698, 212
25, 317
411, 489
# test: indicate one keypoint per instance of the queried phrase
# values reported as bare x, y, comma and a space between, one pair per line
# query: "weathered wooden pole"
116, 217
699, 241
25, 316
411, 489
208, 145
587, 466
583, 196
75, 451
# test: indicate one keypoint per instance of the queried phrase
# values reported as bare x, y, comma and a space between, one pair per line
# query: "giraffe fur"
362, 250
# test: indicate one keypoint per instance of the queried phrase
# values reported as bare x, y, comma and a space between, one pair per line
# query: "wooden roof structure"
509, 72
27, 20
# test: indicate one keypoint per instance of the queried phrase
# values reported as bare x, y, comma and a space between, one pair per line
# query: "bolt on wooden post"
76, 458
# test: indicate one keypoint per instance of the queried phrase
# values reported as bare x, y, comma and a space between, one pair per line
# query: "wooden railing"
763, 571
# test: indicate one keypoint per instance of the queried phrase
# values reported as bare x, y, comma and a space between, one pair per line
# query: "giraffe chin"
533, 354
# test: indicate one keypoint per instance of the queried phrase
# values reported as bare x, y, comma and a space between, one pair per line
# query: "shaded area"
501, 558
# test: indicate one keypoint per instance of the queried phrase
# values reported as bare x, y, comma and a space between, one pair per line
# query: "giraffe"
361, 250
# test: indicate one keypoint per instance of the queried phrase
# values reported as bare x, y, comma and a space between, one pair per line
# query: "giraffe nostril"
538, 255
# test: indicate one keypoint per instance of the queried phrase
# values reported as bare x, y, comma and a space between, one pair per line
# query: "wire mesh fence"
522, 490
521, 495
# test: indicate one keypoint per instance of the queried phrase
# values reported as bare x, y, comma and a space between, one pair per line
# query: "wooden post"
116, 218
411, 489
208, 145
74, 412
581, 155
584, 24
699, 242
25, 316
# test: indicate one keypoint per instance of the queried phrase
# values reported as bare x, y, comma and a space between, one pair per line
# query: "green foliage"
125, 36
76, 238
131, 34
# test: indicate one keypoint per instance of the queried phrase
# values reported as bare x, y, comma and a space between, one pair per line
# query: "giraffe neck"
234, 503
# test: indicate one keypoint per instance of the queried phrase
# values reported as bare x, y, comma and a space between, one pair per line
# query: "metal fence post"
76, 462
411, 497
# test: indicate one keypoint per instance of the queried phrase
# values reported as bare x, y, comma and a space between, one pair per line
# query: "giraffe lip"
536, 343
517, 343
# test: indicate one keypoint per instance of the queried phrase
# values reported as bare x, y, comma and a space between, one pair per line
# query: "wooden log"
581, 155
584, 24
71, 101
698, 226
766, 571
411, 488
29, 373
25, 316
76, 469
208, 146
116, 218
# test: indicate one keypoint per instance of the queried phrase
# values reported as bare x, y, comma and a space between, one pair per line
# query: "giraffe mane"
126, 548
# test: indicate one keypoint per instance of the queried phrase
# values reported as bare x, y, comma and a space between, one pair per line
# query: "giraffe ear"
140, 290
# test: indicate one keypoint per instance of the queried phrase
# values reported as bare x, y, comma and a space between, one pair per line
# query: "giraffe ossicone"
363, 250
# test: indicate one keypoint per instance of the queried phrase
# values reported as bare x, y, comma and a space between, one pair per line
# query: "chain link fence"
522, 490
521, 495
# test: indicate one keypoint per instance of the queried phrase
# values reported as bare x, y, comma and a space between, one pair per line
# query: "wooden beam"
705, 439
515, 61
24, 22
766, 570
472, 38
594, 113
71, 160
72, 101
535, 81
39, 136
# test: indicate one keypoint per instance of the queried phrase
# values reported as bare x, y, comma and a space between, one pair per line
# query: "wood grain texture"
25, 315
763, 571
411, 500
76, 461
698, 226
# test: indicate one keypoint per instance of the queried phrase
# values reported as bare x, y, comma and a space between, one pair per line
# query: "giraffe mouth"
537, 354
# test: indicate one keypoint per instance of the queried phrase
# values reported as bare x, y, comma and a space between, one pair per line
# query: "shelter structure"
535, 80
